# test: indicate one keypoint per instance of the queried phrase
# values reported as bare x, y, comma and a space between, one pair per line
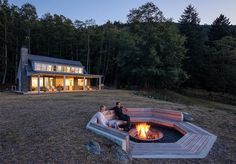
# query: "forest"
149, 51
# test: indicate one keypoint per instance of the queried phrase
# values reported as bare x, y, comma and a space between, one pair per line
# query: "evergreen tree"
220, 28
195, 40
222, 65
190, 16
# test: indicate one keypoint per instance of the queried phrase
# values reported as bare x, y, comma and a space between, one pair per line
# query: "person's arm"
124, 109
112, 108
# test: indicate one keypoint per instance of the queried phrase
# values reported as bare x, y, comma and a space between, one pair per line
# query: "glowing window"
76, 70
37, 66
81, 70
49, 67
44, 67
59, 68
68, 69
64, 68
73, 69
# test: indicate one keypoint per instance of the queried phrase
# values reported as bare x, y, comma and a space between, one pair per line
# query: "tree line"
148, 51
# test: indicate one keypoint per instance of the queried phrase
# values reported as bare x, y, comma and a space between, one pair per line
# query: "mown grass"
175, 97
50, 128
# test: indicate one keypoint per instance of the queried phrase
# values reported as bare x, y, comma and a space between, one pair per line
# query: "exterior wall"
29, 83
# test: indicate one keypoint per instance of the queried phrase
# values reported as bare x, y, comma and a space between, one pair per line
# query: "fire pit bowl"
144, 133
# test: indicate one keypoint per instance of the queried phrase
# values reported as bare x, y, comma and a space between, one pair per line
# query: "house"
39, 74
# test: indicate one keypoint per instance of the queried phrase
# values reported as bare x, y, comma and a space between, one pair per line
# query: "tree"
222, 65
156, 60
148, 12
195, 44
5, 23
220, 28
190, 16
29, 15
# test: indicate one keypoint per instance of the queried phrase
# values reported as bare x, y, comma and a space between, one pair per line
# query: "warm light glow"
142, 130
57, 68
49, 67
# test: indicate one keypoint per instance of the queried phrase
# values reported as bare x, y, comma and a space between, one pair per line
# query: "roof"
32, 58
54, 60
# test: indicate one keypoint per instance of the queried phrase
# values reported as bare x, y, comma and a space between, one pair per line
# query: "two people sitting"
123, 122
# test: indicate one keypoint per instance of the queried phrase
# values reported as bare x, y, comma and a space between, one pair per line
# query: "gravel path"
51, 128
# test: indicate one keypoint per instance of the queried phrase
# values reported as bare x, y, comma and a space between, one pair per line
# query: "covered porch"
50, 83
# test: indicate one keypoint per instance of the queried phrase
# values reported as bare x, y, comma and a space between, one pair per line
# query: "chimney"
24, 63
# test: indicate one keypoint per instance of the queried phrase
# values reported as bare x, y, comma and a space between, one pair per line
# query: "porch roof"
62, 74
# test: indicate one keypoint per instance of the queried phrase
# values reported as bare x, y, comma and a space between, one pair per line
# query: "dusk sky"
117, 10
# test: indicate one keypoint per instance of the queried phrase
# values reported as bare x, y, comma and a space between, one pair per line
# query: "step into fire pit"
159, 133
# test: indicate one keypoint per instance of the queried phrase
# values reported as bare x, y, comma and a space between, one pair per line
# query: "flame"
142, 129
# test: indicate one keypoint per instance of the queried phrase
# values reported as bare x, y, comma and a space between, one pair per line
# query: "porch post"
64, 85
84, 84
38, 83
99, 83
43, 83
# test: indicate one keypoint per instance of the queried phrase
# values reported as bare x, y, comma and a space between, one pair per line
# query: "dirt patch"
47, 128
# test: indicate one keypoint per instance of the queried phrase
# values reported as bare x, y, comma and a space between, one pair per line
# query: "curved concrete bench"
195, 143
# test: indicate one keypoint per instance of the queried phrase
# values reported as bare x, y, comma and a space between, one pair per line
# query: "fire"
142, 129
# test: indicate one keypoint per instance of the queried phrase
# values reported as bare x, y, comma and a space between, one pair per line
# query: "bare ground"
51, 128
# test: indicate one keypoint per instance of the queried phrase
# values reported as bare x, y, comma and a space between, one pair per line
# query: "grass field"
47, 128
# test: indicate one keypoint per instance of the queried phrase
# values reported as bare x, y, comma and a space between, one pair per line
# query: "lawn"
46, 128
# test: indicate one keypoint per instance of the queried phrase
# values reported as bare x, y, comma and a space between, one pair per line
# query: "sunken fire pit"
143, 132
169, 135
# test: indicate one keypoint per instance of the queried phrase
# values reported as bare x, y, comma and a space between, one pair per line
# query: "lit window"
64, 68
73, 69
34, 82
49, 68
68, 69
59, 68
44, 67
76, 70
37, 66
80, 70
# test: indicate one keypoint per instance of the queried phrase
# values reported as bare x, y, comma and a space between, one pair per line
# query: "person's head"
118, 104
102, 108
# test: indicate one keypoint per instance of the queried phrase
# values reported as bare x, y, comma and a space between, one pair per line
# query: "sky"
116, 10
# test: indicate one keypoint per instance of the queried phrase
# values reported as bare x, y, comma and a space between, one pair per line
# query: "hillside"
46, 128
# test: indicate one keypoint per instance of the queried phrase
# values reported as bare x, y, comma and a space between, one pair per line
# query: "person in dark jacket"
118, 109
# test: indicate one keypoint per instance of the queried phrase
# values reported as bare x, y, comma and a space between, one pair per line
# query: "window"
81, 82
44, 67
80, 70
59, 68
64, 68
76, 70
68, 69
34, 82
38, 66
49, 67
